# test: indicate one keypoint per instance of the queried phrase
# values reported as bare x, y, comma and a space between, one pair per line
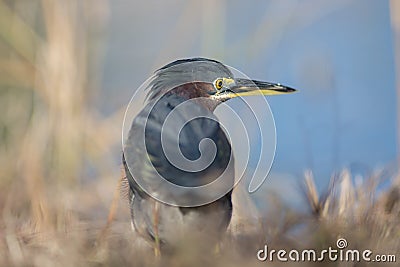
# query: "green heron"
166, 217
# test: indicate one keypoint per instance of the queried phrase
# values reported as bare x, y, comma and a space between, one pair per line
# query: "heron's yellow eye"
218, 83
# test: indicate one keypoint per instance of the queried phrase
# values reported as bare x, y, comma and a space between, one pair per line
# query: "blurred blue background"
339, 54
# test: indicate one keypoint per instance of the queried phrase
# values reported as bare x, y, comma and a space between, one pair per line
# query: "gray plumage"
186, 71
146, 160
149, 170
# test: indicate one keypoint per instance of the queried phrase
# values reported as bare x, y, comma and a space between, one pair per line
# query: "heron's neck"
197, 91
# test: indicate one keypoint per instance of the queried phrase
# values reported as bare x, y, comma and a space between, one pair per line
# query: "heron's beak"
245, 87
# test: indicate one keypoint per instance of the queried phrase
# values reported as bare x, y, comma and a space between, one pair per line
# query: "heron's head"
201, 77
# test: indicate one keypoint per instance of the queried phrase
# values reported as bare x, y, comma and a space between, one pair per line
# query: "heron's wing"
144, 151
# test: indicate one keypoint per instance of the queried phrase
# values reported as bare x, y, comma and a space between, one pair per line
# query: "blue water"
339, 55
